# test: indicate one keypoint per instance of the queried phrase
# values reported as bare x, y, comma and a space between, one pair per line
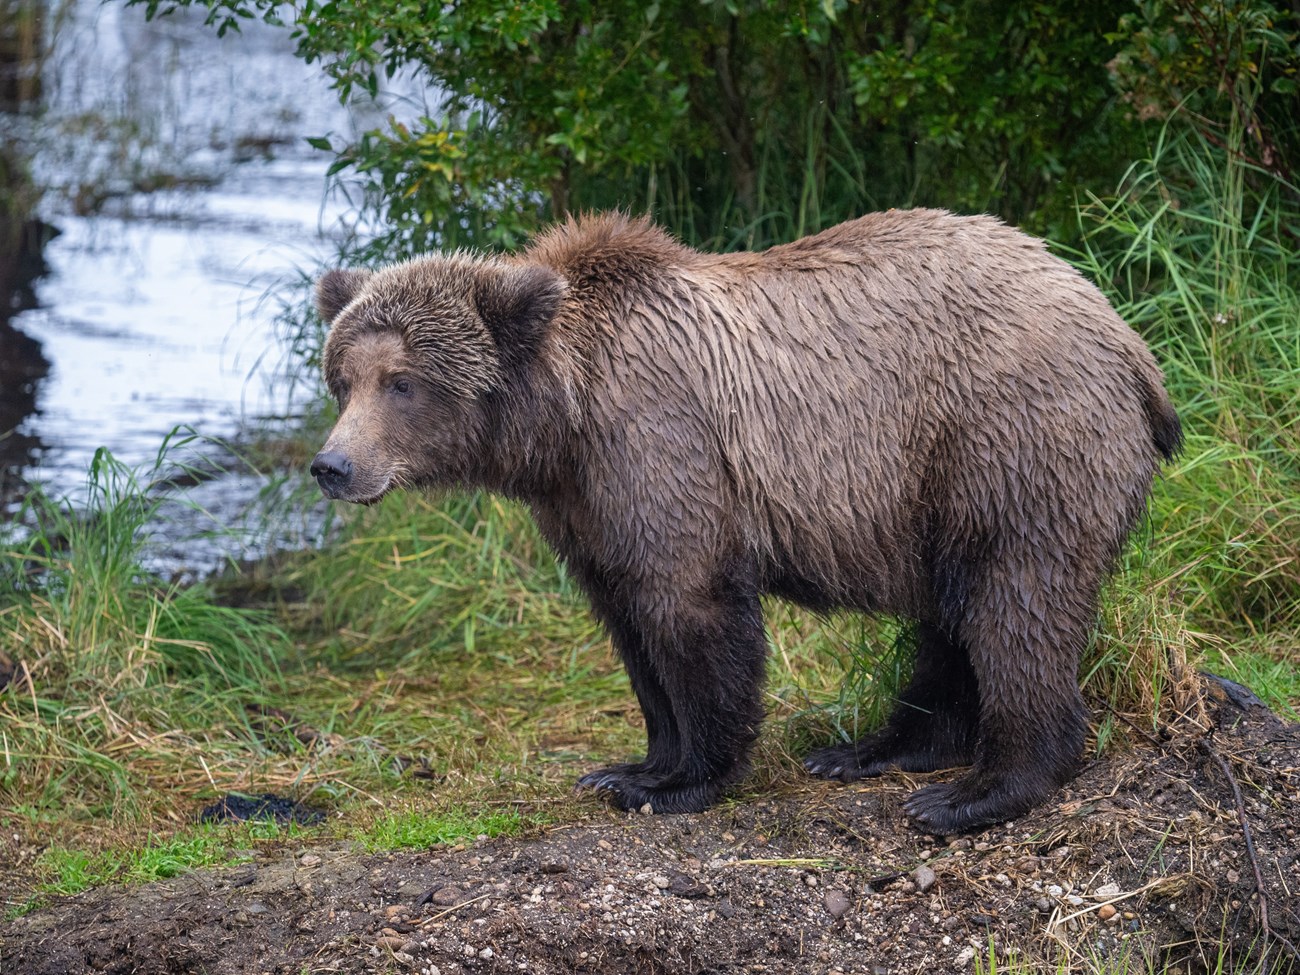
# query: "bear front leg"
663, 745
704, 652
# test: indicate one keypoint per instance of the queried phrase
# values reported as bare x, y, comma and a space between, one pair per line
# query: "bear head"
420, 358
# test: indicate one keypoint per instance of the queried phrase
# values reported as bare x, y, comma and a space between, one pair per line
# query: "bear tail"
1166, 429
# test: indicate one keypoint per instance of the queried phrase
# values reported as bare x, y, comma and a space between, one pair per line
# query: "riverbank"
1154, 859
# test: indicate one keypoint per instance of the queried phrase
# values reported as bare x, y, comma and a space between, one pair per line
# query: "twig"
1207, 746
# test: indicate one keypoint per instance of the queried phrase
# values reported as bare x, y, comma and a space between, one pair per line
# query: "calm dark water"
186, 202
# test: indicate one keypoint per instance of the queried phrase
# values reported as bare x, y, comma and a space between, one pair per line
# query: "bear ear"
336, 289
516, 304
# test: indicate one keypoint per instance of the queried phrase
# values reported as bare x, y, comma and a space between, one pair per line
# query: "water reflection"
176, 169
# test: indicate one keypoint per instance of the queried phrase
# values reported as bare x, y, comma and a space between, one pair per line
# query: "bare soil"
1172, 853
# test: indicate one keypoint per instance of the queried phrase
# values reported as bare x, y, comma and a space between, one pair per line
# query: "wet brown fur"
911, 412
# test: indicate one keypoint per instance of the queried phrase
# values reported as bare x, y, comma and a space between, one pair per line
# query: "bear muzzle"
333, 472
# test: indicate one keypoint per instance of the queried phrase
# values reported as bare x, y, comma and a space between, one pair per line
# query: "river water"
187, 204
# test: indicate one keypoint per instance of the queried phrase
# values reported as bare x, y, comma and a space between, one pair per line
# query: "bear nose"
332, 469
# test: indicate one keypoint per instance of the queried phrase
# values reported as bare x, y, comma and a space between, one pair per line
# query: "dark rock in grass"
238, 806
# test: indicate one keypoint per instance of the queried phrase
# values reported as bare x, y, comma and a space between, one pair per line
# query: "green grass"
66, 870
112, 661
420, 830
1198, 252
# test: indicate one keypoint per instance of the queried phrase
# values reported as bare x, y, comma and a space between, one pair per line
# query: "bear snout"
332, 470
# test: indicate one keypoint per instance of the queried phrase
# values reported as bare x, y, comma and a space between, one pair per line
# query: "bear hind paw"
948, 808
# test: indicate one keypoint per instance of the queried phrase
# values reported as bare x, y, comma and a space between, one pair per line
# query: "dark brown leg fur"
1025, 623
698, 676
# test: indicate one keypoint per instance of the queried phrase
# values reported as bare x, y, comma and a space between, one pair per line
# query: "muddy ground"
1162, 852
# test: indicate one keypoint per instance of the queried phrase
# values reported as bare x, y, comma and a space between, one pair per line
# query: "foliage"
1225, 64
718, 114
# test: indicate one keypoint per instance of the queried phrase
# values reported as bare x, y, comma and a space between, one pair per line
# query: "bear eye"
402, 387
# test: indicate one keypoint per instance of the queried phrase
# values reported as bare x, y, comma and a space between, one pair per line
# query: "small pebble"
837, 902
1106, 891
965, 957
647, 810
923, 877
309, 860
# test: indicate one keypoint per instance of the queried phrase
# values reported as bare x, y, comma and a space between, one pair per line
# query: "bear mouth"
376, 497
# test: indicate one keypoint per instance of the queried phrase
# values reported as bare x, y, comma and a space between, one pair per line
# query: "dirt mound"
1162, 853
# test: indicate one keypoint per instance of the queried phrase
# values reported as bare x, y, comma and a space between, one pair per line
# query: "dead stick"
1207, 746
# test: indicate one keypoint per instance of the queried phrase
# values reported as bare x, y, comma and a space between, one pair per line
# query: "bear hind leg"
934, 724
1026, 627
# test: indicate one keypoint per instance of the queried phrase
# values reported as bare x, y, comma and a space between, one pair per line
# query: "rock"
660, 881
647, 810
837, 901
684, 886
555, 867
1106, 891
1074, 900
309, 860
964, 957
923, 877
392, 942
446, 896
392, 910
1107, 911
486, 954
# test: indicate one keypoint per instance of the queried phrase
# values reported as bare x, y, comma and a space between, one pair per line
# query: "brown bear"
913, 412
